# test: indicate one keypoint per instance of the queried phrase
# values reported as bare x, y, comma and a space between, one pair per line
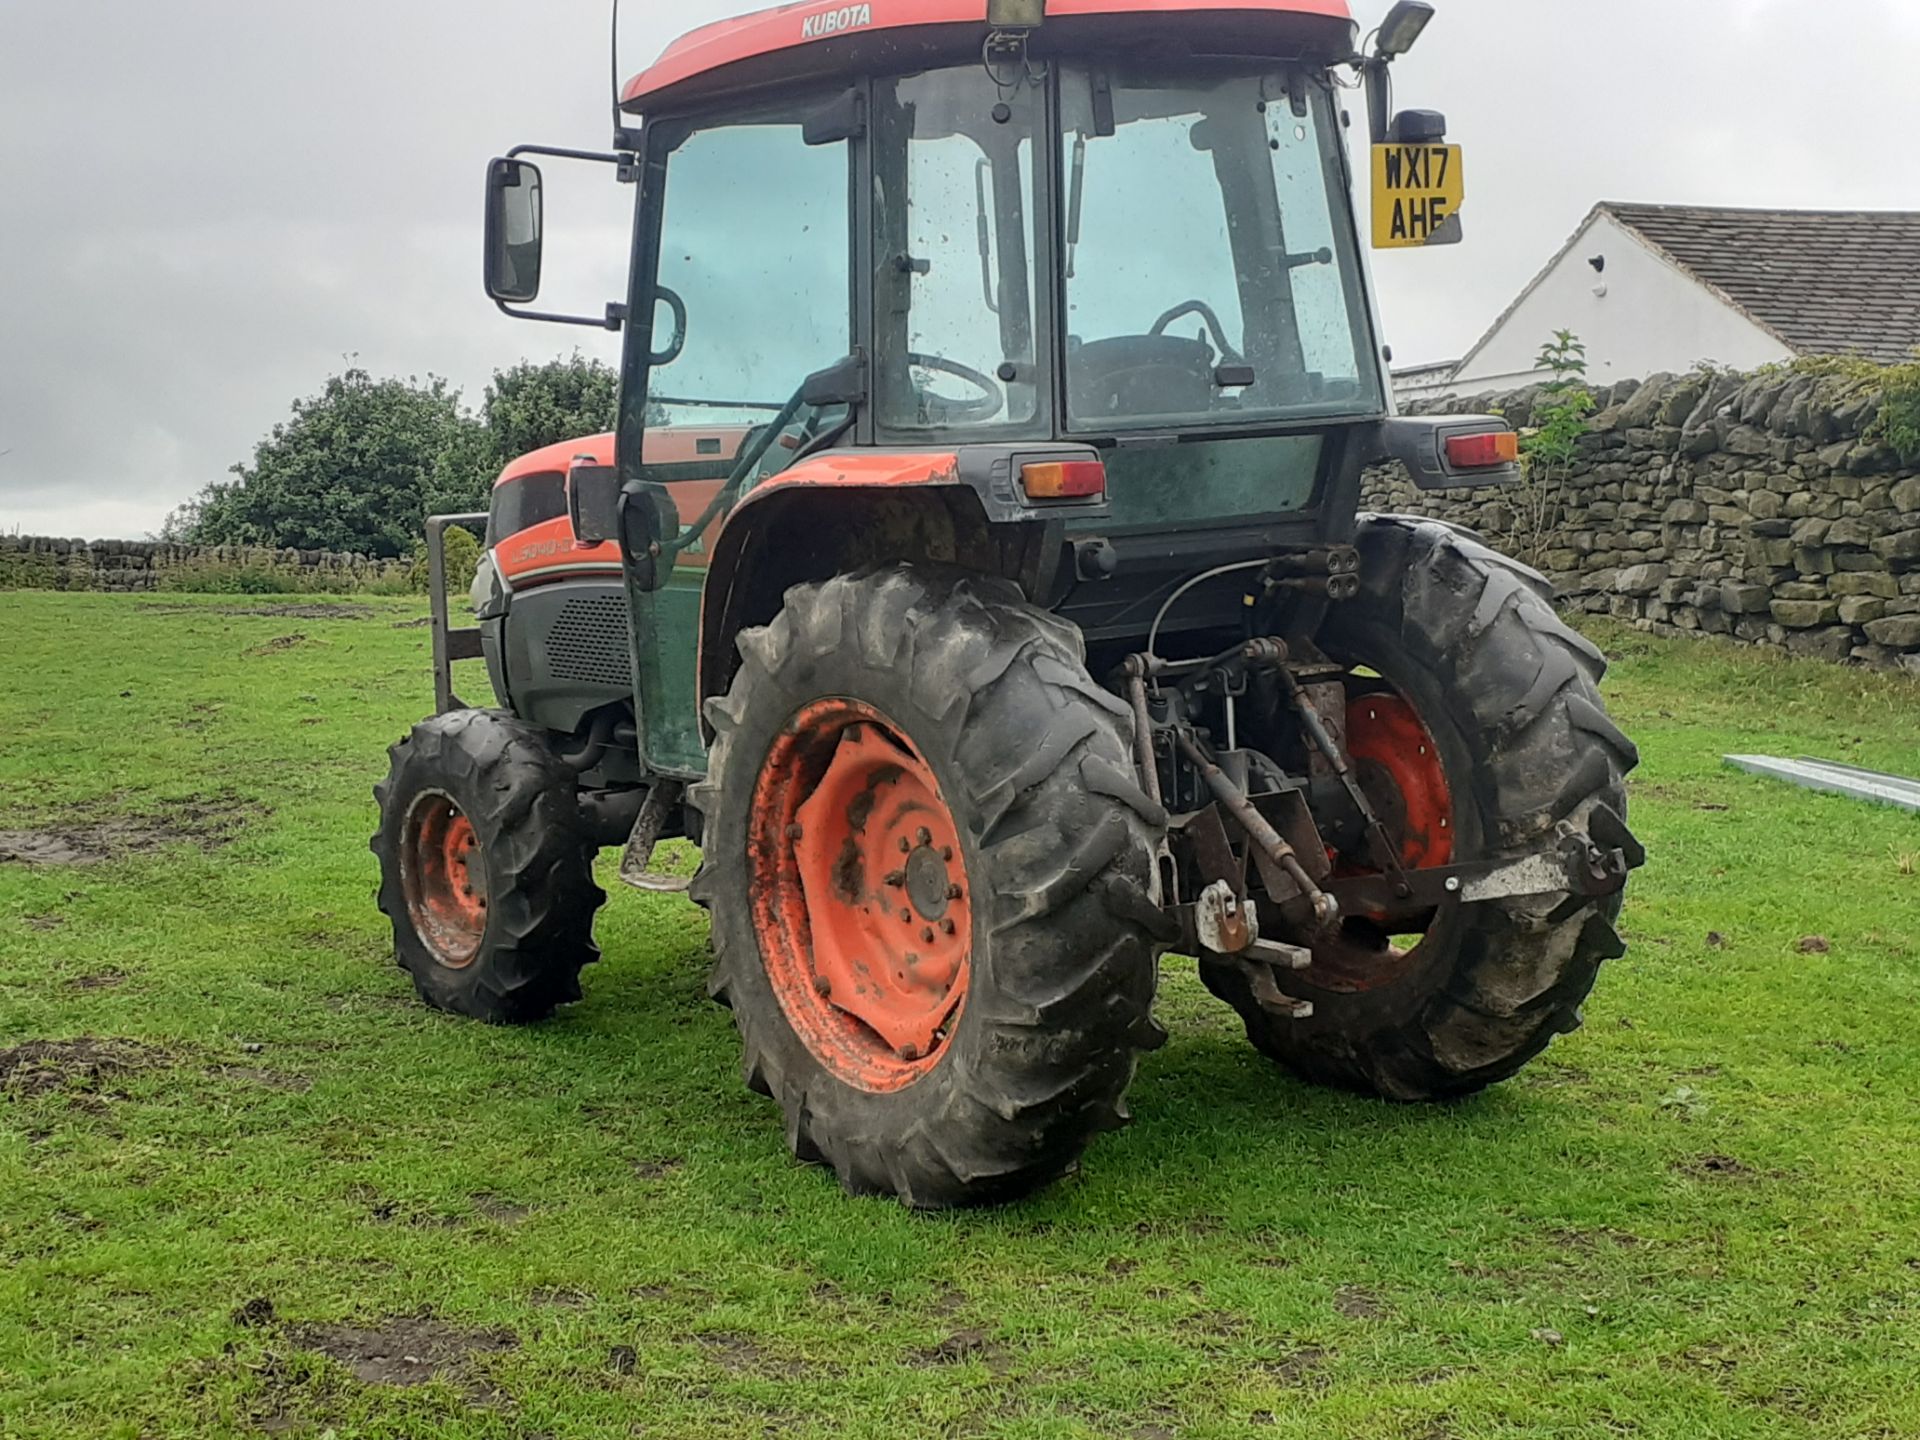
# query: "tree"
352, 469
531, 406
362, 464
527, 407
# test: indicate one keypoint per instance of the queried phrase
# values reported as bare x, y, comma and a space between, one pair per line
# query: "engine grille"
588, 641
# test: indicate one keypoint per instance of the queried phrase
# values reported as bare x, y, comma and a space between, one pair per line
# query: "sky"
208, 206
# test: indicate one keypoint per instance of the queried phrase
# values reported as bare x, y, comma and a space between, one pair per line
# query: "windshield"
1211, 276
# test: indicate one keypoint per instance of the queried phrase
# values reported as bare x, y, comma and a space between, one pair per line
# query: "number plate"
1417, 193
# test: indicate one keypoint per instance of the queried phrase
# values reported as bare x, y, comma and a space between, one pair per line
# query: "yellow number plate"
1417, 193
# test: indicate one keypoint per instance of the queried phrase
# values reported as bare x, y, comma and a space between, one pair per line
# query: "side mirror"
512, 268
593, 501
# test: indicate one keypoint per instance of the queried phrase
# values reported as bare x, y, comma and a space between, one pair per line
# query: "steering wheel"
989, 403
1228, 355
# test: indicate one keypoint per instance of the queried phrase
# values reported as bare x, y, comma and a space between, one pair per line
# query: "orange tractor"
976, 577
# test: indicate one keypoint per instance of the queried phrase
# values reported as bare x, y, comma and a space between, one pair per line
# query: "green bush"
462, 558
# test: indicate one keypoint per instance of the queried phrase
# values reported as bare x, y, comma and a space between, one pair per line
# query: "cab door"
743, 287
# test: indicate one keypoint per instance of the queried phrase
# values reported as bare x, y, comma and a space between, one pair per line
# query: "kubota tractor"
975, 576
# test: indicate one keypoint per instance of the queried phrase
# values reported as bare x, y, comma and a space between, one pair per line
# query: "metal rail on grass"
1834, 779
448, 645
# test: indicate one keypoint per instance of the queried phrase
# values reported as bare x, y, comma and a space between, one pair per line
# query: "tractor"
976, 576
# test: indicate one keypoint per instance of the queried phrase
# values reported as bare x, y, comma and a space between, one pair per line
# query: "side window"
756, 246
955, 290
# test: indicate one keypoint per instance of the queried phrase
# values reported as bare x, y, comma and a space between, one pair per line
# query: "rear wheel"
1477, 730
484, 871
927, 863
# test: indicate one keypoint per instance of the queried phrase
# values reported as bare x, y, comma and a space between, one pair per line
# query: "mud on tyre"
484, 871
927, 861
1467, 640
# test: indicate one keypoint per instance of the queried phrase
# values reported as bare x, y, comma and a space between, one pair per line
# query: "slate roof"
1826, 282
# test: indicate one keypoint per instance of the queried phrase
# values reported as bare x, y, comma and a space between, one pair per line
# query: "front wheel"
484, 870
927, 863
1476, 727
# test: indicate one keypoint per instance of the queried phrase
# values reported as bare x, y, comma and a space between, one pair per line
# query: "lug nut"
926, 936
909, 1052
948, 926
904, 846
794, 832
923, 835
822, 986
906, 915
896, 878
953, 892
946, 852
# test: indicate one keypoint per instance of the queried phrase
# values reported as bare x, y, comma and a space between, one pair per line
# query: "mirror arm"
615, 317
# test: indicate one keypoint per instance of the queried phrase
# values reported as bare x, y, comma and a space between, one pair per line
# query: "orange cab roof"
707, 53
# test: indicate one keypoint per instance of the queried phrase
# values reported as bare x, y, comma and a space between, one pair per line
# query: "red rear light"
1483, 452
1064, 479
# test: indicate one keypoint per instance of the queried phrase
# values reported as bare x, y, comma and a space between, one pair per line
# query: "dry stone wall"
1757, 508
37, 562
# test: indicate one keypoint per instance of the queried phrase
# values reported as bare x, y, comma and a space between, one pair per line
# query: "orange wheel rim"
1385, 735
1399, 768
444, 880
860, 896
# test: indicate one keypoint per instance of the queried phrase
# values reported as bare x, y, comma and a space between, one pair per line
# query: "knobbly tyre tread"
1521, 690
1035, 760
542, 897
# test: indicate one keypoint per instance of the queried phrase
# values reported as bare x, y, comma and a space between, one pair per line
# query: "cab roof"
816, 39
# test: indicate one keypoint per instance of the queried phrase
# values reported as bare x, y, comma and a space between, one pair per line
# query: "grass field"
248, 1185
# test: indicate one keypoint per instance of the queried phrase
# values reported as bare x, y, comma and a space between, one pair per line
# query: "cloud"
207, 206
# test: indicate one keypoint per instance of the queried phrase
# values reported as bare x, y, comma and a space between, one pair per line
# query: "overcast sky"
206, 206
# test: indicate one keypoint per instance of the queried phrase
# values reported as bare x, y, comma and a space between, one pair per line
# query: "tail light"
1483, 452
1064, 479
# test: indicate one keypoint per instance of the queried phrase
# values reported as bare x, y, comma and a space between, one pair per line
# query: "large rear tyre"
484, 870
1479, 674
928, 862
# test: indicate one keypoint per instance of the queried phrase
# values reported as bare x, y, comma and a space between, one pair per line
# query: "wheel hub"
860, 900
444, 880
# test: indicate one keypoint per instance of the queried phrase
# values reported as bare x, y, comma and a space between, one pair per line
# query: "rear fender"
838, 511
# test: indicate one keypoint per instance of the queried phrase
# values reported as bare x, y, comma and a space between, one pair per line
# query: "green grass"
1697, 1217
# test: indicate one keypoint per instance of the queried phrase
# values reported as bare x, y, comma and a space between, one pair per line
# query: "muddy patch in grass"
1357, 1303
41, 1067
279, 643
208, 821
1301, 1367
277, 612
104, 980
408, 1350
961, 1346
743, 1355
1716, 1167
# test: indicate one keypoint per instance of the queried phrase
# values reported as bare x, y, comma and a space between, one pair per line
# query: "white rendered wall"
1653, 317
